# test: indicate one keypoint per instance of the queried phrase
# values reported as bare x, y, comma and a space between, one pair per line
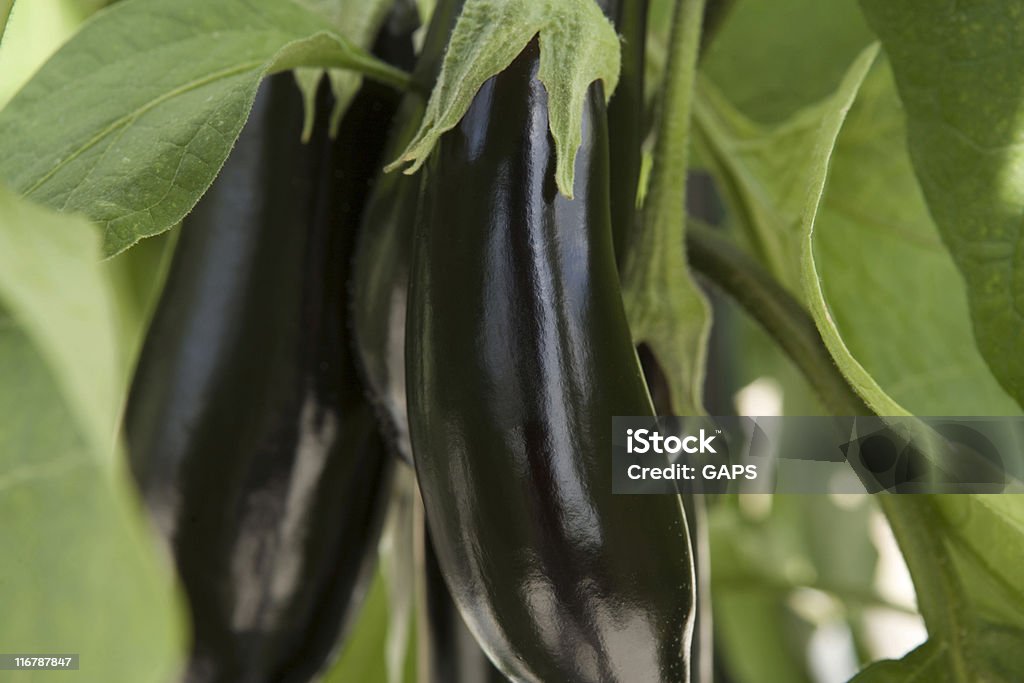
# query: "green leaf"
956, 69
904, 281
65, 504
954, 576
760, 56
966, 560
899, 303
159, 91
35, 30
859, 378
667, 311
5, 13
52, 282
985, 654
778, 178
985, 535
358, 22
962, 646
577, 47
895, 319
865, 299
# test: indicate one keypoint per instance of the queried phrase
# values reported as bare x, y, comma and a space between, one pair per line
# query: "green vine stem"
851, 595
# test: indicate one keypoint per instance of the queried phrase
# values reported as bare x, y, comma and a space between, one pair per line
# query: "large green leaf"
985, 535
974, 541
892, 289
131, 120
963, 646
53, 285
885, 294
5, 12
904, 280
35, 30
80, 574
958, 68
895, 320
985, 654
577, 47
774, 57
823, 145
982, 540
778, 177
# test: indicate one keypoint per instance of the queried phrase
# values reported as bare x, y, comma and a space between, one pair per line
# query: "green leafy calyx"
577, 47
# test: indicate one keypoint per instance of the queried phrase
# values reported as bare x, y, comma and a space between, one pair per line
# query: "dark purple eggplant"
254, 448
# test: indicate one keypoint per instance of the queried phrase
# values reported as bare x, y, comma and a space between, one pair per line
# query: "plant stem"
671, 153
777, 311
847, 594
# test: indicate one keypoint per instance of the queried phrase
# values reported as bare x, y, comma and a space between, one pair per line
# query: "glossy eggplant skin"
380, 281
379, 292
381, 272
452, 653
249, 436
518, 356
